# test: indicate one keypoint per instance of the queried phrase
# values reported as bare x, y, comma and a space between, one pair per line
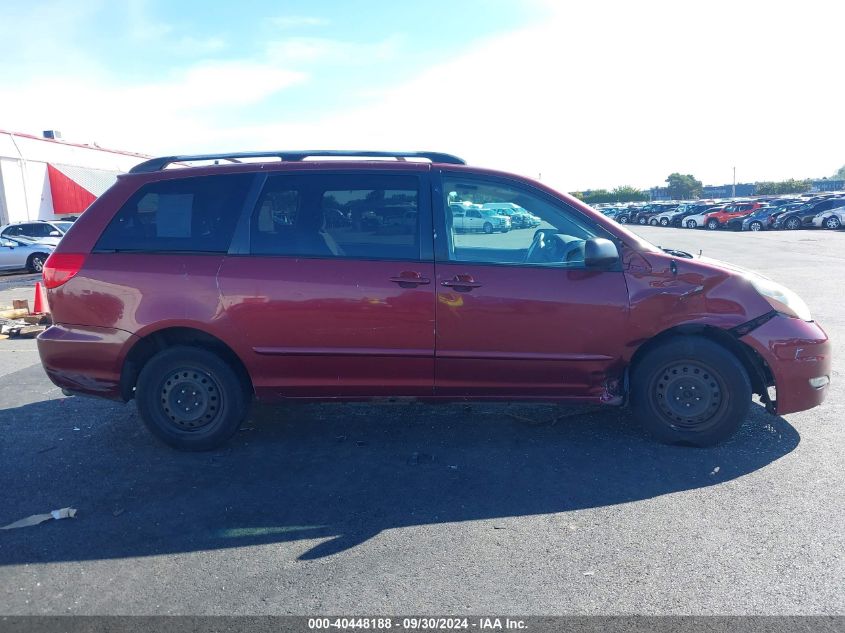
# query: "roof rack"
157, 164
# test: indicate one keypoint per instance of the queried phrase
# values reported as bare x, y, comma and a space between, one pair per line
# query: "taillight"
61, 267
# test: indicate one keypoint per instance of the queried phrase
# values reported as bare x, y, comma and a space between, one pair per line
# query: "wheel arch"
759, 373
153, 342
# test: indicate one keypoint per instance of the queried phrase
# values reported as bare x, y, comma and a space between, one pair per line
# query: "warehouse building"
43, 177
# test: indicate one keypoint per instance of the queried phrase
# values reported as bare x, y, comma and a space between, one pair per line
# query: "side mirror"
600, 253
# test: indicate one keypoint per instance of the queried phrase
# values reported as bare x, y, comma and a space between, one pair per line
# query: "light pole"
733, 187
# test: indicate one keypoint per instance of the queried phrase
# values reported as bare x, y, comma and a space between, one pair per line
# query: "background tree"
784, 186
626, 193
683, 186
840, 173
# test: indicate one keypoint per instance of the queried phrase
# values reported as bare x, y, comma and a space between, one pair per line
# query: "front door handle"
461, 283
410, 279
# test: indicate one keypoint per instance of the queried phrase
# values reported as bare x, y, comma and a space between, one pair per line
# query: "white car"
695, 221
830, 219
470, 219
41, 231
664, 219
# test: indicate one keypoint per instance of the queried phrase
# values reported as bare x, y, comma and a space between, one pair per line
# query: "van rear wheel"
190, 398
690, 390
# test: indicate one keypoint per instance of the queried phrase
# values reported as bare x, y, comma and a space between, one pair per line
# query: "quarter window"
183, 215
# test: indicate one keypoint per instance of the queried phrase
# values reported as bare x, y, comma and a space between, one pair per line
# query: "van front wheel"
190, 398
690, 390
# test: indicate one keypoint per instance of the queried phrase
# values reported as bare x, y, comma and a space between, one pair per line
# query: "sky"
581, 95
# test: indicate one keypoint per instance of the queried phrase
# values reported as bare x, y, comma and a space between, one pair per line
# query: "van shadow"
325, 478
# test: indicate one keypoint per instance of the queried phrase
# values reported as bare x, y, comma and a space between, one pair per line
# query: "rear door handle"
461, 283
409, 279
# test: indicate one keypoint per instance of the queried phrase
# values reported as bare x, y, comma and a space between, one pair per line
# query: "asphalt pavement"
410, 508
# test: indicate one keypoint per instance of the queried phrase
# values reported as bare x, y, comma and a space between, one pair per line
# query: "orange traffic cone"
40, 300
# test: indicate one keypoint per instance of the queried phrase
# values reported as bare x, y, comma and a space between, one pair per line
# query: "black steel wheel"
190, 398
688, 393
690, 390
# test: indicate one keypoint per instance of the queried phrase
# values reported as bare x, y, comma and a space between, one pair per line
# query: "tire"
792, 224
642, 220
505, 230
691, 224
664, 221
755, 226
832, 222
712, 224
653, 222
213, 391
488, 228
35, 263
622, 219
665, 388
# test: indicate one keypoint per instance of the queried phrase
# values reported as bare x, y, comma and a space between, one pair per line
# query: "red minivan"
195, 289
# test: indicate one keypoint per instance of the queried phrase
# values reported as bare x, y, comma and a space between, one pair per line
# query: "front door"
336, 294
518, 313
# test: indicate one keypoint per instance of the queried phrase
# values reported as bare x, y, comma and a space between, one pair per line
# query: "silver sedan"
23, 255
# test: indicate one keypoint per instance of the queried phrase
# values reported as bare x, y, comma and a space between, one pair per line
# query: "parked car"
43, 231
717, 219
177, 289
467, 220
698, 220
802, 217
623, 215
675, 217
760, 220
520, 218
832, 218
643, 215
21, 254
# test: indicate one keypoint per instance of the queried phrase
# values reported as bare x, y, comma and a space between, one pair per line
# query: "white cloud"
294, 21
599, 94
199, 45
321, 49
604, 94
178, 111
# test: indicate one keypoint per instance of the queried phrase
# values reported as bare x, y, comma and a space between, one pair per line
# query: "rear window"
186, 215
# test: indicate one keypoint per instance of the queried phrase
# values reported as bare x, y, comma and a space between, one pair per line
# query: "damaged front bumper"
798, 354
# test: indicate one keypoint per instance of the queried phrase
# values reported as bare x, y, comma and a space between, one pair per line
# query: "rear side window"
185, 215
356, 217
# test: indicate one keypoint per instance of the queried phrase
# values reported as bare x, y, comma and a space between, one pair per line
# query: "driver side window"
495, 223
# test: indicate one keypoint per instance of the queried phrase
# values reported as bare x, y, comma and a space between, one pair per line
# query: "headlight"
780, 297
